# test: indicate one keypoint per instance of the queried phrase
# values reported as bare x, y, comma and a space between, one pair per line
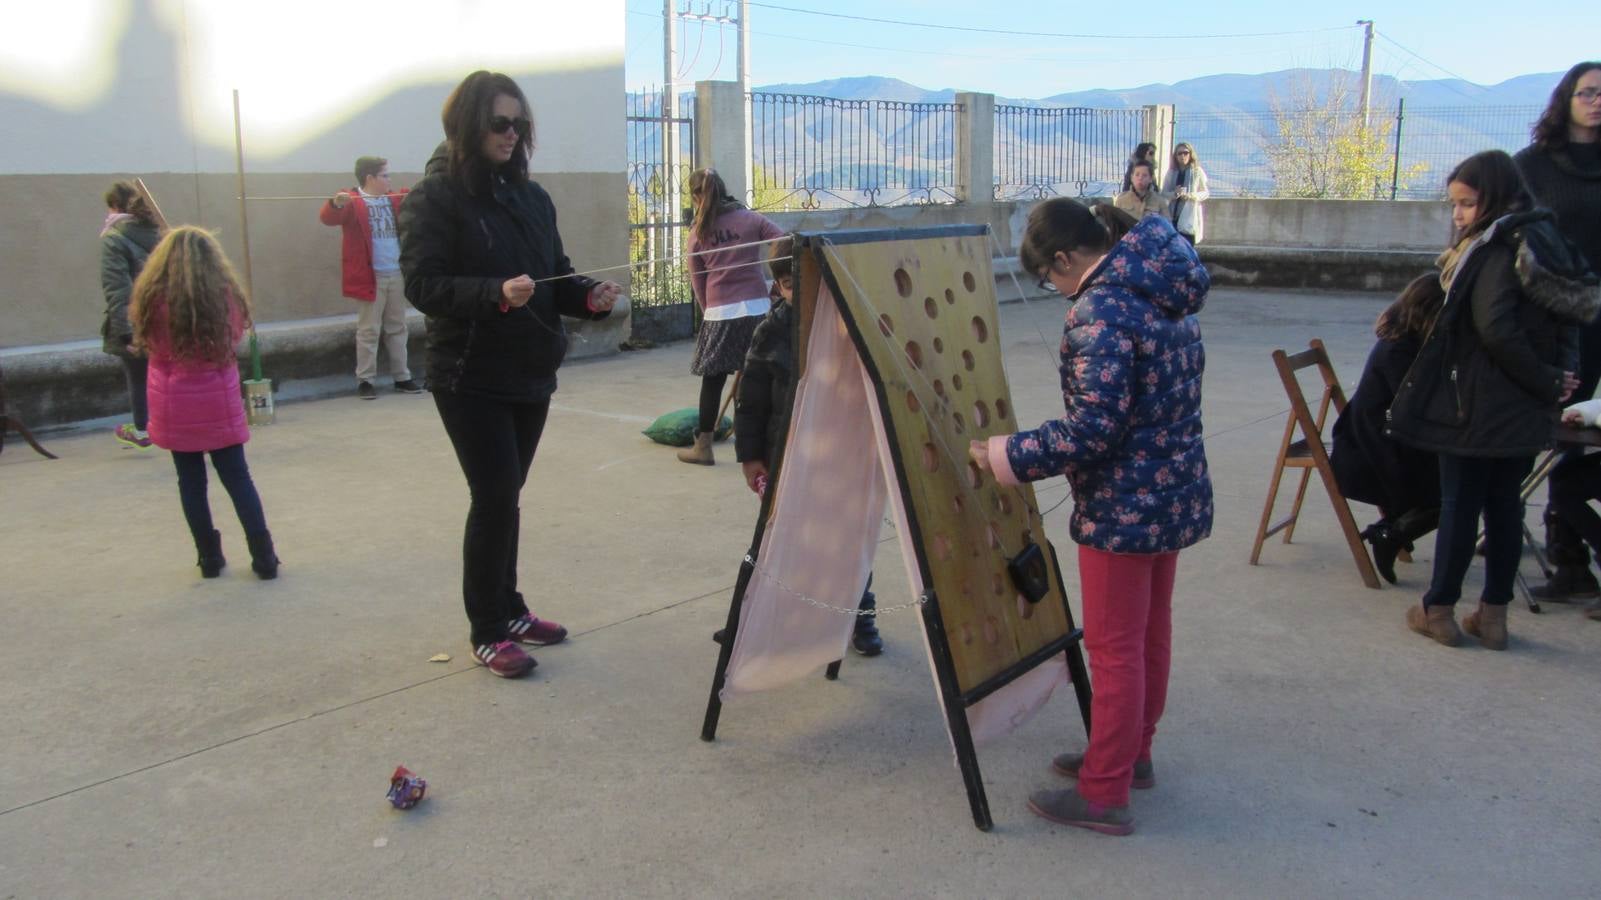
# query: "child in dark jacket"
761, 416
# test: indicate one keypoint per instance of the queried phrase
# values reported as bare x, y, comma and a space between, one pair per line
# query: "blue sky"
1483, 42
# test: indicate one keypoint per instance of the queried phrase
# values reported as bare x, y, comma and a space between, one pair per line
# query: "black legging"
495, 443
711, 395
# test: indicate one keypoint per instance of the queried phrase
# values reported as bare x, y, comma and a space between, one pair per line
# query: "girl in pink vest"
188, 312
725, 269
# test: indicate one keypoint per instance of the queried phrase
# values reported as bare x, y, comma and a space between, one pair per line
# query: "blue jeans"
1470, 486
235, 477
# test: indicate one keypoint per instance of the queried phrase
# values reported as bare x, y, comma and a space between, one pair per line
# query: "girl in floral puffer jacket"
1130, 444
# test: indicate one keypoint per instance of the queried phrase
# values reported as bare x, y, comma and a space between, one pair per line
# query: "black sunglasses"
503, 124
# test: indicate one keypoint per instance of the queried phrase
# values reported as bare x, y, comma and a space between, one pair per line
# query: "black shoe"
1387, 545
263, 560
720, 635
1568, 583
408, 387
865, 639
211, 560
366, 391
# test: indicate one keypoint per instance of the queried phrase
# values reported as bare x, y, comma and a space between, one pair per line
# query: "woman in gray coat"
129, 234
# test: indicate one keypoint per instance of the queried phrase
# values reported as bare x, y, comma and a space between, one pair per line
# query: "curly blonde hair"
189, 273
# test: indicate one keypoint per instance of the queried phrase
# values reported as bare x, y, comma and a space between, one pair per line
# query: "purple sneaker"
526, 629
505, 659
129, 436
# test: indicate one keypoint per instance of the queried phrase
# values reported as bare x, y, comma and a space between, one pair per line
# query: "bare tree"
1321, 148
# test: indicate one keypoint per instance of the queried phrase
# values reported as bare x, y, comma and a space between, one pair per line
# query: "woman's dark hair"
1501, 189
1143, 153
466, 119
782, 261
712, 201
1412, 314
1061, 225
124, 197
1551, 129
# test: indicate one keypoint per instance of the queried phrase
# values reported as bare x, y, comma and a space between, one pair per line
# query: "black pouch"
1030, 575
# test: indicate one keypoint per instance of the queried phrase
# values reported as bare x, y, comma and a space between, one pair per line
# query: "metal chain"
784, 588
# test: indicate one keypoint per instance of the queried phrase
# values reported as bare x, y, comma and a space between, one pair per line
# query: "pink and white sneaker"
505, 659
526, 629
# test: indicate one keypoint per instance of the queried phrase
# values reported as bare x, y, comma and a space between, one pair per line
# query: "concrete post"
975, 148
1158, 130
722, 134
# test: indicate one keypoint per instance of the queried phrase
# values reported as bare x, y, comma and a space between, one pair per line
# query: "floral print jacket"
1130, 440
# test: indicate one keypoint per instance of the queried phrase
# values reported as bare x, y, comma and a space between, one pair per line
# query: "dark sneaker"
1068, 765
1066, 807
505, 659
129, 436
864, 637
720, 635
525, 629
408, 387
1568, 583
366, 391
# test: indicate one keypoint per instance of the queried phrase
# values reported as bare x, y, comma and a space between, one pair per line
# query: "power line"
1433, 65
1050, 34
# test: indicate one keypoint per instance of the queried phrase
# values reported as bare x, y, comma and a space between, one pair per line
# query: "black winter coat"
767, 387
1567, 181
123, 251
456, 250
1368, 465
1488, 379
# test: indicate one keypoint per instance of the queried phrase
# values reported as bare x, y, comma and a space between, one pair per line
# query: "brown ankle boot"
1488, 624
1435, 622
701, 453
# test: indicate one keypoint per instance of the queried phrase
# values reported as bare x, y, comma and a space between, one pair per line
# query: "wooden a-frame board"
903, 324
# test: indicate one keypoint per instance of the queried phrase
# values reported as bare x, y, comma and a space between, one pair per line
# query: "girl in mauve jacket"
1485, 388
1129, 442
483, 260
188, 312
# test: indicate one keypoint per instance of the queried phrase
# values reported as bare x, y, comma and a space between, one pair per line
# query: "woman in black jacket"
130, 233
1485, 388
482, 258
1562, 167
1371, 467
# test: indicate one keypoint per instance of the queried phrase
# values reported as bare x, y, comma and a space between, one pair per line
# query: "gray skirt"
721, 345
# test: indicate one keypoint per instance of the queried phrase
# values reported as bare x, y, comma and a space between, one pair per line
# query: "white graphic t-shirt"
385, 239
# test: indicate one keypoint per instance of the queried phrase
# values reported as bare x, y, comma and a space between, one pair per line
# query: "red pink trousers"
1128, 633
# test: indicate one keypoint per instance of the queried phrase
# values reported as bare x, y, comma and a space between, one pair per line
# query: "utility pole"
670, 196
1367, 71
744, 46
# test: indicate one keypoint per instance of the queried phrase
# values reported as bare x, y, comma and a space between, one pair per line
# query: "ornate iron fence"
1043, 151
663, 308
812, 152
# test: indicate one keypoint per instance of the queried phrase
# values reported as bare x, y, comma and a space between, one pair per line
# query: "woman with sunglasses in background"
1186, 184
482, 258
1562, 167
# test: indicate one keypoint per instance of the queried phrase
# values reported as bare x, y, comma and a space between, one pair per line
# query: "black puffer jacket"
456, 250
1488, 379
124, 247
767, 387
1567, 181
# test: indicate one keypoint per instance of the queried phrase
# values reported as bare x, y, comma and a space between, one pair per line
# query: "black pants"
234, 474
495, 443
134, 370
1574, 483
1470, 486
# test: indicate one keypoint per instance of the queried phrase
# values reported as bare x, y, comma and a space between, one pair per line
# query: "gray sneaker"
408, 387
366, 391
1067, 765
1066, 807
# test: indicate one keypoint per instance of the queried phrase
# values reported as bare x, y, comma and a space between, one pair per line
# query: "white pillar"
975, 148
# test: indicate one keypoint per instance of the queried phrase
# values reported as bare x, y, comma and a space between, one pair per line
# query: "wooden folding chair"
1308, 454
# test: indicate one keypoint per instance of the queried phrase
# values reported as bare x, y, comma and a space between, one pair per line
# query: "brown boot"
1435, 622
701, 453
1488, 624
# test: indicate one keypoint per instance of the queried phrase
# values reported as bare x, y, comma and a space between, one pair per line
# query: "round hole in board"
912, 403
993, 534
950, 296
914, 353
992, 632
956, 381
981, 331
969, 282
998, 584
957, 504
1003, 504
1027, 537
942, 548
930, 458
967, 634
939, 345
974, 476
931, 306
886, 325
903, 282
981, 414
939, 388
959, 423
1001, 411
1025, 609
967, 360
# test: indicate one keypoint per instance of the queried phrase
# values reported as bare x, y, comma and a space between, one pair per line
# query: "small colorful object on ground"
405, 788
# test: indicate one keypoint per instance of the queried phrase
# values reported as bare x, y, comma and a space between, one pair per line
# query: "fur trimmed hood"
1552, 271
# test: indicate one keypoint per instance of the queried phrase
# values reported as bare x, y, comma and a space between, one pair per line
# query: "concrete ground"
169, 736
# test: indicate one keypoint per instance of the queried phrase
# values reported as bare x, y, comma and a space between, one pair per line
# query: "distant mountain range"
854, 154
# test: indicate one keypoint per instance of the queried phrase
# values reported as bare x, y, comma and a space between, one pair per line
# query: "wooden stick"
244, 219
161, 220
